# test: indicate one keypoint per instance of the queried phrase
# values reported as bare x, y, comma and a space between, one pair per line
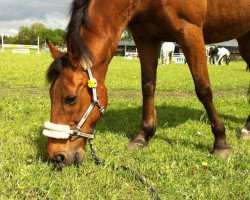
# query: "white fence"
178, 58
20, 48
131, 55
21, 51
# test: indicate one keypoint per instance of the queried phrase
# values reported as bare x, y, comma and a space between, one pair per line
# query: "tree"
127, 35
23, 36
28, 35
35, 31
60, 36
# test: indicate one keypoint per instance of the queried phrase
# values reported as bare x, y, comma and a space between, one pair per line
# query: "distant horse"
213, 53
167, 49
223, 52
246, 130
78, 93
248, 68
220, 53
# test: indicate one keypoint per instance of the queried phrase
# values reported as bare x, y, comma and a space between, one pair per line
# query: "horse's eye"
71, 99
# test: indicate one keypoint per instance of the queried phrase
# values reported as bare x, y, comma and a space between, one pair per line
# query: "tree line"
29, 36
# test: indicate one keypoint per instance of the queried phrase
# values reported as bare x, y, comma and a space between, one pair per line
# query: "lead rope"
97, 160
100, 162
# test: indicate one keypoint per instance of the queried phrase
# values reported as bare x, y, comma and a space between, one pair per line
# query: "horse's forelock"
56, 67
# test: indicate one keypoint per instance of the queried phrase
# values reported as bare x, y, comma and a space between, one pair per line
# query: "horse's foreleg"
192, 44
220, 59
162, 57
167, 58
245, 133
148, 53
210, 60
244, 48
163, 60
170, 56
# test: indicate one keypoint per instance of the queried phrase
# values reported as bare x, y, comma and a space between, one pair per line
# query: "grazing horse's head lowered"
78, 93
75, 108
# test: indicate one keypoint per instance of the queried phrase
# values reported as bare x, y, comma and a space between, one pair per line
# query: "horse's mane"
79, 18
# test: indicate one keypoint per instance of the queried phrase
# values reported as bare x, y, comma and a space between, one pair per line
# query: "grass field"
176, 163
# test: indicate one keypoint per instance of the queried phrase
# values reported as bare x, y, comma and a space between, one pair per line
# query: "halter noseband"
60, 131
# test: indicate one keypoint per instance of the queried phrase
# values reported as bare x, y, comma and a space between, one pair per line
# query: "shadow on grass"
41, 144
126, 122
185, 143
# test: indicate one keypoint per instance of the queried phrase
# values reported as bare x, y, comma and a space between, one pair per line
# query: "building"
124, 47
129, 46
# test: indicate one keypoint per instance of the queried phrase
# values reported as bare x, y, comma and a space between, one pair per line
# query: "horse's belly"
222, 20
215, 34
226, 20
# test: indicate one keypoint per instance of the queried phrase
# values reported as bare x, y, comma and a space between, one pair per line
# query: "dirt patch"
7, 91
131, 94
119, 94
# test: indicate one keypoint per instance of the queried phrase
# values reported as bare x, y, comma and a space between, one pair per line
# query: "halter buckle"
102, 110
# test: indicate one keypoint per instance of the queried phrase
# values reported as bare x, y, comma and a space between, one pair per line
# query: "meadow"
177, 162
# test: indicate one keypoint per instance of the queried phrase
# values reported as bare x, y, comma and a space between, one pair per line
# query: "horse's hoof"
136, 144
221, 153
245, 134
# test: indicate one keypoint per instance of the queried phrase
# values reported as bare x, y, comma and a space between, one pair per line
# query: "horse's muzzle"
61, 159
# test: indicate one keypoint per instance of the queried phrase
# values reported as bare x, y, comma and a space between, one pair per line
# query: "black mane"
79, 18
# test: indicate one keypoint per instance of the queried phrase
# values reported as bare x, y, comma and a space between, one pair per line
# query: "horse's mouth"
62, 161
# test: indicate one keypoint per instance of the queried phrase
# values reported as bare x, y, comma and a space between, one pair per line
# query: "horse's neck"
111, 16
105, 28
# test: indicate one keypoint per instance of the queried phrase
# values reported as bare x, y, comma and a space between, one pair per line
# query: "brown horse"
78, 93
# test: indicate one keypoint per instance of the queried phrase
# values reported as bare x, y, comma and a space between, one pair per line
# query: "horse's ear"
55, 52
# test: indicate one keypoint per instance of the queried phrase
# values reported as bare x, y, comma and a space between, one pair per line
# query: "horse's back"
226, 20
223, 51
221, 20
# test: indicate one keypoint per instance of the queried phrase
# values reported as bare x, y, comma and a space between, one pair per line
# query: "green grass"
172, 163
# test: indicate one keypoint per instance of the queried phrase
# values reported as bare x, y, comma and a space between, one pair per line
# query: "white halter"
60, 131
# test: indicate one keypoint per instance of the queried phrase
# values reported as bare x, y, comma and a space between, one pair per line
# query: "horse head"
75, 108
228, 60
78, 93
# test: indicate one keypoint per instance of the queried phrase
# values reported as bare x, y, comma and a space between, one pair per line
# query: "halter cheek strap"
60, 131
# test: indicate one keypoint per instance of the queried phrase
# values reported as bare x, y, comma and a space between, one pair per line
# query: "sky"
15, 13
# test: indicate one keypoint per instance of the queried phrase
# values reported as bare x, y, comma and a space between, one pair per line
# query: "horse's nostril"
59, 158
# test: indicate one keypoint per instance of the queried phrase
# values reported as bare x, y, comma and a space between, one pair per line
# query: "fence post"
38, 48
2, 51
